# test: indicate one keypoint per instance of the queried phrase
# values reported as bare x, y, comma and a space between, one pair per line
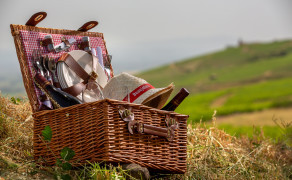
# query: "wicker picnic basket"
95, 131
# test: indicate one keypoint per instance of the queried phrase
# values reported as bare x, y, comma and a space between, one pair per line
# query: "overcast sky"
144, 34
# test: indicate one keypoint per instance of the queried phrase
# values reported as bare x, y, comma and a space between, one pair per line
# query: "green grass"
248, 98
275, 133
242, 65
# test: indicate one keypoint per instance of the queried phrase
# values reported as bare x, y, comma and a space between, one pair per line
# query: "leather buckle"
128, 116
171, 122
64, 46
85, 44
170, 134
93, 76
67, 44
48, 42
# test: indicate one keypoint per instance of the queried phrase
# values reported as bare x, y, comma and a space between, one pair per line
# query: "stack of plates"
68, 78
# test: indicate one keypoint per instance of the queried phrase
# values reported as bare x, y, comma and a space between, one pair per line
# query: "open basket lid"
27, 38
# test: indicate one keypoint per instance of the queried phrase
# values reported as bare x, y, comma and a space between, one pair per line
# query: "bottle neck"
42, 81
183, 93
177, 100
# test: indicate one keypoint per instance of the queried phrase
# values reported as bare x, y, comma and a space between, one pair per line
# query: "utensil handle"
56, 82
36, 18
87, 26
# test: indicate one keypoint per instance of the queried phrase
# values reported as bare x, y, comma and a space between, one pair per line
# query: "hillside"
246, 78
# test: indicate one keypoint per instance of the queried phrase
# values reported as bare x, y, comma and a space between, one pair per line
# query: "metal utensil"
36, 61
45, 66
39, 62
52, 66
107, 64
33, 56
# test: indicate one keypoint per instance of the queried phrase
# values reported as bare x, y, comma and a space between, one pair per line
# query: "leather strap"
167, 133
36, 18
87, 26
155, 128
83, 45
76, 89
46, 42
57, 84
69, 61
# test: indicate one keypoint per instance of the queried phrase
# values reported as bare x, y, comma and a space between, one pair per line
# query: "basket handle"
142, 128
36, 18
87, 26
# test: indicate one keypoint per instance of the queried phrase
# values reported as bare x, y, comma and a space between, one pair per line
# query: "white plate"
60, 75
68, 78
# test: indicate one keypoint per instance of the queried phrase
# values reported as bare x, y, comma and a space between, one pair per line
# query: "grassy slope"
248, 78
232, 66
248, 98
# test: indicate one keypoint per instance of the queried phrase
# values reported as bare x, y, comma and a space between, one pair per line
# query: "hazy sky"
144, 34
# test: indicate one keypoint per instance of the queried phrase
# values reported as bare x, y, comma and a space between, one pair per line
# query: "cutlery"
36, 62
107, 64
52, 67
45, 66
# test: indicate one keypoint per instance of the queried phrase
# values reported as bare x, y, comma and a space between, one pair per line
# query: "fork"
45, 61
36, 61
52, 67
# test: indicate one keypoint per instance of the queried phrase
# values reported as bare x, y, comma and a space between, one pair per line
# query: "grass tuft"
214, 154
15, 129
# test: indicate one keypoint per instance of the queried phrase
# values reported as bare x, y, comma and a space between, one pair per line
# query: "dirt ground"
260, 118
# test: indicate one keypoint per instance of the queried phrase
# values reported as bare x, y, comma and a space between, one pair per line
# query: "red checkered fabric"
31, 40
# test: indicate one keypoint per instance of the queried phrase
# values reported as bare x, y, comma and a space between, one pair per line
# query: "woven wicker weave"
96, 132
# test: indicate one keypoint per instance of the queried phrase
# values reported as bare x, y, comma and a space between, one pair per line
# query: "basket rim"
111, 101
17, 27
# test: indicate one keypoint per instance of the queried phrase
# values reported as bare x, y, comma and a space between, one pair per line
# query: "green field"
233, 66
247, 98
246, 78
275, 133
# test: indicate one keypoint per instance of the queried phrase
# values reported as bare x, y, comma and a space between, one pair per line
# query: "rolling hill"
246, 78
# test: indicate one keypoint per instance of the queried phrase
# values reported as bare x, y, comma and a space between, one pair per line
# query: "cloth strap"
138, 92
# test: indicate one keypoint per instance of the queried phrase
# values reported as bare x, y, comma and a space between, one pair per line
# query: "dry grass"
258, 118
212, 154
15, 129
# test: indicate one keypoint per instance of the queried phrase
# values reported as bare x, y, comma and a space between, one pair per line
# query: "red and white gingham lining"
31, 40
